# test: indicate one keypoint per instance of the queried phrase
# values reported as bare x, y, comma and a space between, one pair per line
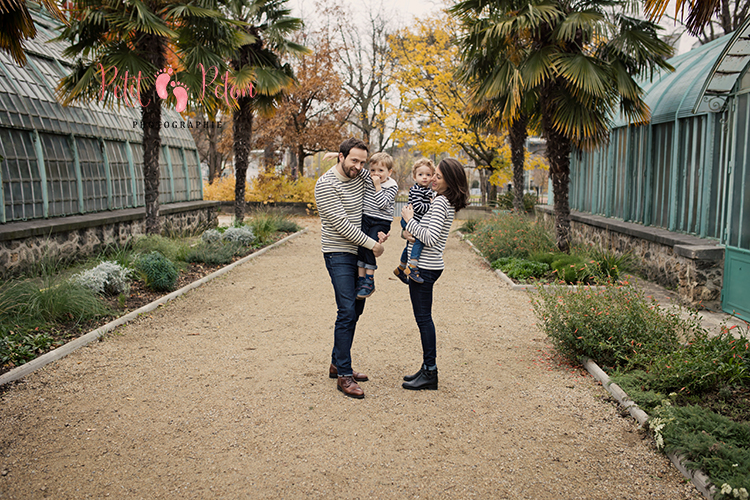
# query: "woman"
452, 195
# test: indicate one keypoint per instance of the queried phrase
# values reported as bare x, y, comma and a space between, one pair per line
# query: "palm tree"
579, 64
115, 37
16, 25
259, 72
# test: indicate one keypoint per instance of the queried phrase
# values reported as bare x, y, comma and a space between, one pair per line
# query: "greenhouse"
60, 161
688, 170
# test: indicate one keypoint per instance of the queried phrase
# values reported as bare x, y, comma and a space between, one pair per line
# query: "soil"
224, 393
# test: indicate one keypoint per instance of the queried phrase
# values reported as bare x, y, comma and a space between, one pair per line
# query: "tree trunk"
483, 186
214, 158
300, 161
151, 117
517, 136
558, 154
243, 131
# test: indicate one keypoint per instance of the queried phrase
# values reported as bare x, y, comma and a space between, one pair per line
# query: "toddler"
377, 216
420, 197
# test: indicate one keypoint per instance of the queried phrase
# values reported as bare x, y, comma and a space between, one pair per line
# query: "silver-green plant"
108, 278
211, 236
243, 235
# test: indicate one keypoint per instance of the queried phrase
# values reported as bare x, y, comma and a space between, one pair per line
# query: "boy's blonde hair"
422, 162
383, 158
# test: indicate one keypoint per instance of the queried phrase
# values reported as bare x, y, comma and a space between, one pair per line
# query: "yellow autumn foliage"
267, 188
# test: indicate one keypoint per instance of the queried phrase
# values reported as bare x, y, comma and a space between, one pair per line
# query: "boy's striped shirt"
339, 203
380, 204
433, 231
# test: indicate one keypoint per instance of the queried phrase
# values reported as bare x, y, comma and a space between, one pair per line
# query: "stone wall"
24, 244
693, 266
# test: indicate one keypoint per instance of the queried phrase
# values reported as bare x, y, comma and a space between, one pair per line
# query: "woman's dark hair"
352, 143
457, 188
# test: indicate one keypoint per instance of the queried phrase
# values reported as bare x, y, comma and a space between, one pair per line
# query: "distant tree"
579, 65
259, 71
213, 140
434, 104
312, 111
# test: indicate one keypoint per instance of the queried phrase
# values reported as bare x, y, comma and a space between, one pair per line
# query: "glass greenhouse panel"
22, 184
93, 174
62, 184
178, 175
122, 192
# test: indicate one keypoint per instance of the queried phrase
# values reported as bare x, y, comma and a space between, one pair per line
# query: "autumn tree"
367, 68
434, 103
312, 112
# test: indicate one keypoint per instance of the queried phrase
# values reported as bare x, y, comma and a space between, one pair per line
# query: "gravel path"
224, 393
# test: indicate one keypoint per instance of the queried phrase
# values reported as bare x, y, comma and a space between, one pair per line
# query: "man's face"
352, 165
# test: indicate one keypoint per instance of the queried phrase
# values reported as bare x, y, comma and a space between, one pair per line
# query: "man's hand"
407, 213
408, 236
378, 250
383, 236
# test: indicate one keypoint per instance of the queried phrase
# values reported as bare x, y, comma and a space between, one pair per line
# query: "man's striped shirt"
380, 204
433, 231
339, 202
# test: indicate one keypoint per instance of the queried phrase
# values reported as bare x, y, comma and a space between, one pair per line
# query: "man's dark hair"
352, 143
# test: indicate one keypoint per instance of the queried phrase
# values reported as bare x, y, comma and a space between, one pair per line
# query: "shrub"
215, 253
615, 325
521, 269
17, 348
222, 189
158, 272
711, 442
511, 235
211, 236
172, 249
703, 365
505, 201
242, 235
108, 278
468, 226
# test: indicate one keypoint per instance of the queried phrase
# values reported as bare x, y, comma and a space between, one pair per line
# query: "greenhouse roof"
701, 81
27, 97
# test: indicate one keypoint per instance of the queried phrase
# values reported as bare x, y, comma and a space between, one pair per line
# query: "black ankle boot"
409, 378
425, 379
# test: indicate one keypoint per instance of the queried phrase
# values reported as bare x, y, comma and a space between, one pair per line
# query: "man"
338, 195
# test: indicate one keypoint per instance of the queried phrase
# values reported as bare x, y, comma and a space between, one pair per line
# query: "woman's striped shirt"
433, 231
380, 204
339, 202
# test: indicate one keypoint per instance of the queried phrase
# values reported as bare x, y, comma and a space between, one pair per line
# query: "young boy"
420, 197
377, 216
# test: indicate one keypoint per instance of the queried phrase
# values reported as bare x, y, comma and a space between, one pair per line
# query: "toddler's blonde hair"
422, 162
383, 158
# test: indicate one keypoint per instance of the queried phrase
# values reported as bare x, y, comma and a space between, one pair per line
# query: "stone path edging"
83, 340
699, 479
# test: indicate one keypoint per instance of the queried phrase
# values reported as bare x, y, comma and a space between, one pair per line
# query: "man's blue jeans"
342, 268
421, 303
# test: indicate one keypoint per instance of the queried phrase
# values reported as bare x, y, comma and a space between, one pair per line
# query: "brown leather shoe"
359, 377
348, 386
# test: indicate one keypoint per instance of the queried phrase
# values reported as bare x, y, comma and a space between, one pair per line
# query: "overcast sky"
404, 11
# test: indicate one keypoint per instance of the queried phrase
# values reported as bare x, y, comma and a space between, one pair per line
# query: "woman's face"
438, 182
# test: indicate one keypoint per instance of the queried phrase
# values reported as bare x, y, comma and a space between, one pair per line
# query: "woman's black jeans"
421, 303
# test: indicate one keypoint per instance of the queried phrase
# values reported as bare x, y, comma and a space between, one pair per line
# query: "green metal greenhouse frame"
688, 170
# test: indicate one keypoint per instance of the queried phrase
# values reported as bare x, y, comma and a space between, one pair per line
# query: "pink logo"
128, 88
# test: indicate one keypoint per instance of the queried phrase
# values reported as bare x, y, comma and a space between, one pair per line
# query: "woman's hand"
407, 213
408, 236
